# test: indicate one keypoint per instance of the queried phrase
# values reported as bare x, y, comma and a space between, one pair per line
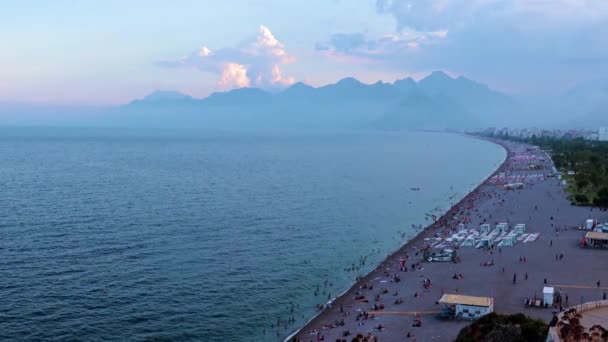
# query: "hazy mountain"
586, 104
239, 97
405, 85
438, 101
435, 102
298, 92
418, 110
488, 106
160, 96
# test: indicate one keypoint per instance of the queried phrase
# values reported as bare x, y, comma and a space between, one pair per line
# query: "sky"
110, 52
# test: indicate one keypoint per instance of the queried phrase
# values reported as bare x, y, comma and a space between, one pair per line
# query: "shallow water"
123, 235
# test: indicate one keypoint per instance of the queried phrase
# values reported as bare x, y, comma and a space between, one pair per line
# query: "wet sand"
542, 205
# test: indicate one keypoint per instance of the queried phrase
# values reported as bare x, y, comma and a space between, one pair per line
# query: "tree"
581, 182
595, 178
494, 328
581, 198
602, 198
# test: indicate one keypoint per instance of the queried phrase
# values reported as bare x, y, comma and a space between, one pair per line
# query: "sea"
168, 235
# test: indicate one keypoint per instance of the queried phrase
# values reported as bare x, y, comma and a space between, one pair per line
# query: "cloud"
425, 15
519, 43
256, 62
357, 47
234, 75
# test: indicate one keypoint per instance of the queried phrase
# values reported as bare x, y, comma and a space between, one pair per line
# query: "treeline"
495, 327
587, 160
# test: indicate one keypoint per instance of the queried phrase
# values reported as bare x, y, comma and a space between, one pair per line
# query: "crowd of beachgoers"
398, 301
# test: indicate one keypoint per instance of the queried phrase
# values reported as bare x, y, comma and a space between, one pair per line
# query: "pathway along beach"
514, 273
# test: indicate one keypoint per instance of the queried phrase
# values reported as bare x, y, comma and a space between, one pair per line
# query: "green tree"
602, 198
581, 182
581, 199
494, 327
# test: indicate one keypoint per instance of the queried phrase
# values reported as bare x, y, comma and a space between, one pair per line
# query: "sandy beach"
555, 258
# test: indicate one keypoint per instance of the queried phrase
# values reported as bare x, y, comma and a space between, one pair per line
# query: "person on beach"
514, 278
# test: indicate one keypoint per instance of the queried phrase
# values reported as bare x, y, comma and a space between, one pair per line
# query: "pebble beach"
404, 289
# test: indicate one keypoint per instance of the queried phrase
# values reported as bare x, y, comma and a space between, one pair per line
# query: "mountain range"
436, 102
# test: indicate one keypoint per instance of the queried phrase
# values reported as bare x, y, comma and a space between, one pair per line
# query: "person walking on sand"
514, 278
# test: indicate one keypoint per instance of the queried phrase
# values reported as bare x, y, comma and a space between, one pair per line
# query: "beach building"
548, 295
596, 240
466, 307
603, 134
508, 241
485, 242
469, 241
484, 228
502, 227
519, 228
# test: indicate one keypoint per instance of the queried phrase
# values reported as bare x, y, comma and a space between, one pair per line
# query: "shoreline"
398, 300
416, 238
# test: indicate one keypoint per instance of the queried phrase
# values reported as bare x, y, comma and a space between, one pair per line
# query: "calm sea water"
121, 235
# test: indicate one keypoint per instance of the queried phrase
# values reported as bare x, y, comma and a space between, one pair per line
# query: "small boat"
415, 189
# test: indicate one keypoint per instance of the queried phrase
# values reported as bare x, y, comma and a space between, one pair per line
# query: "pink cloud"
257, 62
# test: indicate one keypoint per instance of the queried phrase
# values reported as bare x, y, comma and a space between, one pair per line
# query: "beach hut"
467, 307
484, 228
548, 293
469, 241
596, 239
461, 227
502, 227
485, 242
508, 241
519, 228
